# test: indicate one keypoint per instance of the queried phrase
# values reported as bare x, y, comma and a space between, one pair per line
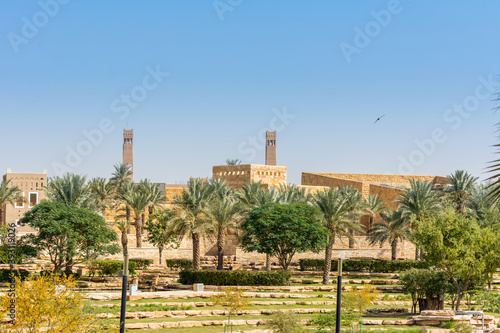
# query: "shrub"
448, 325
235, 278
109, 267
141, 263
5, 257
327, 321
359, 299
284, 322
462, 328
75, 276
21, 273
179, 263
363, 265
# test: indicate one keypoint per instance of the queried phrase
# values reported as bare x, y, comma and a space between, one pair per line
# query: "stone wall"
237, 175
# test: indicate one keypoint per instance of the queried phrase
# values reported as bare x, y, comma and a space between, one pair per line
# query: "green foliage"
75, 276
462, 328
489, 302
327, 321
448, 325
235, 278
179, 263
364, 265
283, 230
359, 300
424, 283
5, 274
141, 263
68, 232
284, 323
109, 267
4, 254
160, 231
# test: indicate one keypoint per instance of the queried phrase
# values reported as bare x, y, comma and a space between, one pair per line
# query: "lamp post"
123, 308
339, 295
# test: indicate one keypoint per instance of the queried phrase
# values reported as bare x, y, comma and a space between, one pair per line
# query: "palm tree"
223, 210
373, 207
418, 202
8, 195
461, 185
293, 195
336, 207
393, 231
156, 196
121, 180
124, 226
138, 201
121, 176
71, 189
357, 204
104, 193
233, 161
248, 194
192, 220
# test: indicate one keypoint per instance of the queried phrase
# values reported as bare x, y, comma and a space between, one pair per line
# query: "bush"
68, 274
141, 263
284, 322
235, 278
109, 267
21, 273
448, 325
179, 263
364, 265
4, 254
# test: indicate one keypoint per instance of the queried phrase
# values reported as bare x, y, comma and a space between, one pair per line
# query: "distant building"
32, 186
128, 149
236, 175
270, 148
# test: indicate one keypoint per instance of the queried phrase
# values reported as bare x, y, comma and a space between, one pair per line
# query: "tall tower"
128, 149
270, 148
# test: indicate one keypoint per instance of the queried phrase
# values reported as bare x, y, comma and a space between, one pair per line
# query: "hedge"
235, 278
364, 265
179, 263
109, 267
141, 263
5, 274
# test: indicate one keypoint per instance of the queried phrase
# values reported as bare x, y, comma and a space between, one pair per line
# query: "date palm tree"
394, 230
337, 207
9, 195
418, 202
138, 201
71, 189
248, 194
292, 195
124, 226
224, 210
461, 186
373, 207
104, 193
233, 161
193, 220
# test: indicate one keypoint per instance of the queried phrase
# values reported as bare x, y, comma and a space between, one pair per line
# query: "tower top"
270, 148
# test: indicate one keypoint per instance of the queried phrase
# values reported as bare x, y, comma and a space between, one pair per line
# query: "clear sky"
320, 72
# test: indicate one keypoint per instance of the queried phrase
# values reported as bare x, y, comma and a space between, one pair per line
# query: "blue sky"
320, 72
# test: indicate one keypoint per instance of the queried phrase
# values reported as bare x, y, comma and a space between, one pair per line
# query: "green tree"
462, 184
138, 202
71, 190
283, 230
393, 230
373, 207
69, 234
418, 202
9, 195
160, 230
124, 226
192, 220
232, 299
233, 161
224, 210
292, 195
337, 208
456, 245
104, 193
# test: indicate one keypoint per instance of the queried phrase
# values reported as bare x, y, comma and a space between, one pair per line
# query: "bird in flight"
378, 119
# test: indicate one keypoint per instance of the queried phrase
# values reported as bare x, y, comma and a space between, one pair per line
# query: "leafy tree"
232, 299
9, 195
393, 230
160, 232
462, 184
418, 202
71, 190
223, 210
359, 300
49, 304
192, 220
338, 211
425, 283
68, 232
283, 230
456, 245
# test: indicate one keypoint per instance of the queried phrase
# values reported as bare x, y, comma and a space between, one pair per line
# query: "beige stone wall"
317, 179
237, 175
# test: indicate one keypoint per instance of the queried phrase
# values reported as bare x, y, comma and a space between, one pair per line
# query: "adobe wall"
393, 180
237, 175
317, 179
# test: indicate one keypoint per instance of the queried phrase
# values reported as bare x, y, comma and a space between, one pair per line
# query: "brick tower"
128, 149
270, 148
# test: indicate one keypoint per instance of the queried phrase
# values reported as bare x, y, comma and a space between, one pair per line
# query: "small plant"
448, 325
320, 296
232, 299
327, 321
285, 323
359, 299
462, 328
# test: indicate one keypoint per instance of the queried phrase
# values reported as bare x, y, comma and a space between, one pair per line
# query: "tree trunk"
328, 259
69, 265
1, 215
221, 241
417, 253
196, 252
160, 249
138, 232
394, 249
351, 241
458, 300
143, 222
125, 242
268, 262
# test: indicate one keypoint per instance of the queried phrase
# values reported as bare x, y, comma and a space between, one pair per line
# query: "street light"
339, 295
124, 294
